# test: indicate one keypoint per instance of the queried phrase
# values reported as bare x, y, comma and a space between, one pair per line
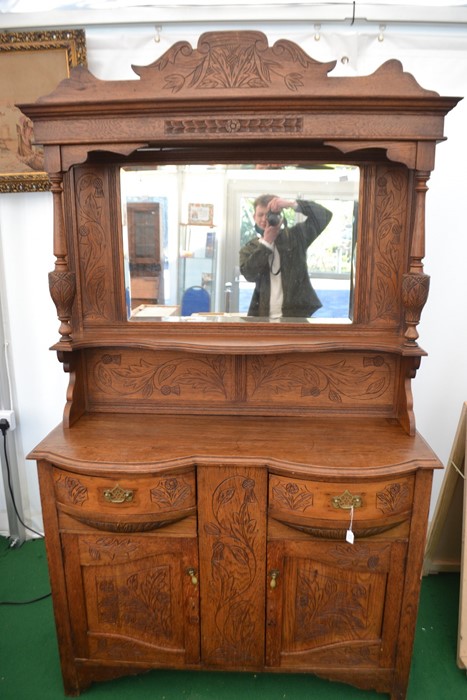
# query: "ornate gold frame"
65, 49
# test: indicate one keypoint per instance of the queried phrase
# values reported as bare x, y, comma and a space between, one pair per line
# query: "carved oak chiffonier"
231, 492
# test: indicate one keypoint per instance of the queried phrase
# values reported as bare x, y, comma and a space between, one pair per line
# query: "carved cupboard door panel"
231, 517
132, 597
333, 603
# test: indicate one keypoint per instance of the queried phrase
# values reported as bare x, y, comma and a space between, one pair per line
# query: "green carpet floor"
29, 666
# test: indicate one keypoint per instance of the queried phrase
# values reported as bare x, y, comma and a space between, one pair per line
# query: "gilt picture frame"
31, 64
200, 214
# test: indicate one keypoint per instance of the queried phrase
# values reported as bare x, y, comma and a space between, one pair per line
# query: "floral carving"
234, 566
226, 61
333, 380
390, 213
357, 556
92, 246
144, 378
143, 601
149, 600
72, 490
110, 548
394, 498
326, 604
292, 496
172, 493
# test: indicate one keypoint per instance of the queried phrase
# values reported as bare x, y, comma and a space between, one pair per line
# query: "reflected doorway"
144, 248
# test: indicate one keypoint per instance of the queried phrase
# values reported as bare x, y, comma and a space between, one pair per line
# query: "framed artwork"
200, 214
31, 64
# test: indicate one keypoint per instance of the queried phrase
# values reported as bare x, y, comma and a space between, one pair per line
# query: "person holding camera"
276, 258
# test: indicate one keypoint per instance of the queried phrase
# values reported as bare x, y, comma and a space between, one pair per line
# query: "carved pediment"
240, 64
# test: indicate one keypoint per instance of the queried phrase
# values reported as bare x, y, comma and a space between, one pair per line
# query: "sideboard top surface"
122, 442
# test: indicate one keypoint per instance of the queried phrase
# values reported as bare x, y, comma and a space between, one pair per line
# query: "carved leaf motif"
147, 600
170, 56
389, 227
232, 64
166, 372
175, 82
349, 557
375, 387
384, 300
73, 490
293, 81
395, 497
297, 54
325, 604
233, 565
292, 496
338, 379
212, 529
92, 245
145, 377
110, 547
171, 493
384, 269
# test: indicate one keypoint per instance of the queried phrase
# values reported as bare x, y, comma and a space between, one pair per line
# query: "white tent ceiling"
28, 13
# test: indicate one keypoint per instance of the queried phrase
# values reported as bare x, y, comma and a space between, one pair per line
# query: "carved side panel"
390, 246
93, 212
232, 525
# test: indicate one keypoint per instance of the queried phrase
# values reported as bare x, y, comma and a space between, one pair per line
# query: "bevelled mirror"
184, 226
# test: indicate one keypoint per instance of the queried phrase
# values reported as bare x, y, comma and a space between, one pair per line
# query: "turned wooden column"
62, 282
415, 283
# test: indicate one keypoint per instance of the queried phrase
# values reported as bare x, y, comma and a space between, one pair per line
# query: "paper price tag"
349, 536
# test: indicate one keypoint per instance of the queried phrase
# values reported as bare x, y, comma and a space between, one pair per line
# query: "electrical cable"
4, 429
25, 602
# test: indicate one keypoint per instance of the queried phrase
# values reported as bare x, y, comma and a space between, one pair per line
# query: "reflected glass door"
145, 253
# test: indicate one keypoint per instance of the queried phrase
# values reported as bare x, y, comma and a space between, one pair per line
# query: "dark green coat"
300, 299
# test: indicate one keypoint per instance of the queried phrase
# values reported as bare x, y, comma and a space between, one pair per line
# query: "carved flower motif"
171, 484
233, 125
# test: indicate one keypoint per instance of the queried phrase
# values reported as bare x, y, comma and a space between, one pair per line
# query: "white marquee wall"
435, 54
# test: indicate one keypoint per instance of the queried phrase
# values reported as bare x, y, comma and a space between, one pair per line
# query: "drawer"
127, 503
328, 509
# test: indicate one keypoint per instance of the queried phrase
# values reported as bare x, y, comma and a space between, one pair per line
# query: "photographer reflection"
276, 258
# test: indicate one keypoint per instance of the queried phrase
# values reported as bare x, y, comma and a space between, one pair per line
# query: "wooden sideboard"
229, 493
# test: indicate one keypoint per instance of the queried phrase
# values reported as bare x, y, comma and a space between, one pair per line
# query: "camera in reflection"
273, 219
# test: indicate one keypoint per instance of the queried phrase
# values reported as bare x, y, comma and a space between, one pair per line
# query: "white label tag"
349, 536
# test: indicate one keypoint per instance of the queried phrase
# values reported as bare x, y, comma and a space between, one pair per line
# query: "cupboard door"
231, 517
133, 598
333, 604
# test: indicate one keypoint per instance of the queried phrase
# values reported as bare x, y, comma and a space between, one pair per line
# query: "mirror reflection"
237, 242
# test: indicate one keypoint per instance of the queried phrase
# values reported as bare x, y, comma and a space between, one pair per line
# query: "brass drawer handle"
347, 501
118, 495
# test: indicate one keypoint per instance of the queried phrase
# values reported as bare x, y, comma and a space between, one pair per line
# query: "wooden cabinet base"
231, 557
